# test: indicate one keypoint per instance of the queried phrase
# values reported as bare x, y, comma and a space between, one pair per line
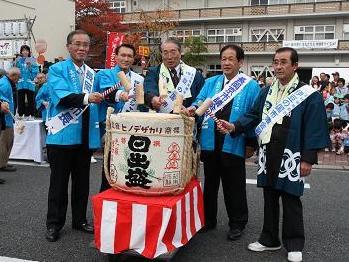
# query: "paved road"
23, 201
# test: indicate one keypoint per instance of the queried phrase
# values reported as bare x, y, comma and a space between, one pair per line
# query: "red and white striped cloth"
151, 226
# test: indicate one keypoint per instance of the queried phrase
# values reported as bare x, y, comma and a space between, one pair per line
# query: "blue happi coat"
105, 79
241, 104
6, 95
42, 96
28, 73
64, 80
307, 132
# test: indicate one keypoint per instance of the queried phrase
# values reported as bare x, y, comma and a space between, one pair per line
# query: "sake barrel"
150, 153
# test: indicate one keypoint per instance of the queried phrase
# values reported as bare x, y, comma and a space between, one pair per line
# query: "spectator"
323, 81
341, 88
337, 135
268, 81
337, 104
26, 87
315, 82
328, 93
7, 85
40, 80
335, 78
344, 109
261, 81
329, 112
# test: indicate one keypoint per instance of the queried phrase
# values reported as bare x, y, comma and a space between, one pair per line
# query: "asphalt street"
23, 204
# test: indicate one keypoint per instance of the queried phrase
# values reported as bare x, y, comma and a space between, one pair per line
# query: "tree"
153, 26
96, 18
194, 49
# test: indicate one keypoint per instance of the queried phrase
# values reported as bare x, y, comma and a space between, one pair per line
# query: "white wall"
54, 20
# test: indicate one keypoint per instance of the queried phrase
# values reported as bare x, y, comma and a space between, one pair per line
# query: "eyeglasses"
280, 63
171, 52
79, 45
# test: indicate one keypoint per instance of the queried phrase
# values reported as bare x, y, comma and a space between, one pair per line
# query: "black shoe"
207, 227
2, 181
85, 227
52, 235
234, 234
8, 169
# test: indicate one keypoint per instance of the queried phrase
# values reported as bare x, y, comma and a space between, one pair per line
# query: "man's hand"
45, 104
5, 107
95, 98
190, 111
123, 96
249, 151
305, 169
226, 127
156, 102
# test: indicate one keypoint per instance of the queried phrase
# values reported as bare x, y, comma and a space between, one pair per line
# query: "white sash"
71, 115
283, 108
89, 77
131, 105
230, 90
182, 88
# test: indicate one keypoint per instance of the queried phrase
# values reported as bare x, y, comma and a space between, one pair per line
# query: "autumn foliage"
96, 18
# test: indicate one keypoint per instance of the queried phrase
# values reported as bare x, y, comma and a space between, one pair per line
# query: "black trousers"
24, 109
66, 161
292, 224
231, 170
104, 182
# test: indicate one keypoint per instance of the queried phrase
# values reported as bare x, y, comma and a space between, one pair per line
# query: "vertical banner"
114, 39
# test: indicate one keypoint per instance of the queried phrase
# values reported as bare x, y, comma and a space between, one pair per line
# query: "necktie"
81, 75
175, 78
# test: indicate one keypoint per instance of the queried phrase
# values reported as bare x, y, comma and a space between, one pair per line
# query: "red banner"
114, 40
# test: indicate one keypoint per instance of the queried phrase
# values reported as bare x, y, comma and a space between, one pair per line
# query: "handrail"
226, 12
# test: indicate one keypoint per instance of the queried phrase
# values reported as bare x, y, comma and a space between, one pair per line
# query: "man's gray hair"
173, 41
14, 71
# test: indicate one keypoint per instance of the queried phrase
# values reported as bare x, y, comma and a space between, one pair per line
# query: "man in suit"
174, 73
7, 87
73, 132
125, 54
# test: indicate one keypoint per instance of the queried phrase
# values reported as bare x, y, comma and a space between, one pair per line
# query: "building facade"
25, 21
319, 29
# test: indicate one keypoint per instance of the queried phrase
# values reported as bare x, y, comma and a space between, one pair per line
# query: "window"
346, 32
267, 34
259, 2
277, 2
151, 37
118, 6
224, 35
281, 2
314, 32
257, 70
215, 69
181, 35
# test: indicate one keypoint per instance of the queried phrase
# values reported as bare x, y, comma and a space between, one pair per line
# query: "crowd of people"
335, 94
289, 118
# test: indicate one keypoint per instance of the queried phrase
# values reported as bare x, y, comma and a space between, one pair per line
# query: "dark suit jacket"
151, 86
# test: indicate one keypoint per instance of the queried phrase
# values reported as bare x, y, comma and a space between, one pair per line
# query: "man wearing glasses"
290, 121
73, 132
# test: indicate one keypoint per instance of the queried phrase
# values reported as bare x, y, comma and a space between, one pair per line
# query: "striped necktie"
81, 75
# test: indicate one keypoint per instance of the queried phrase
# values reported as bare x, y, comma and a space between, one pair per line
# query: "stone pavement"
326, 160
